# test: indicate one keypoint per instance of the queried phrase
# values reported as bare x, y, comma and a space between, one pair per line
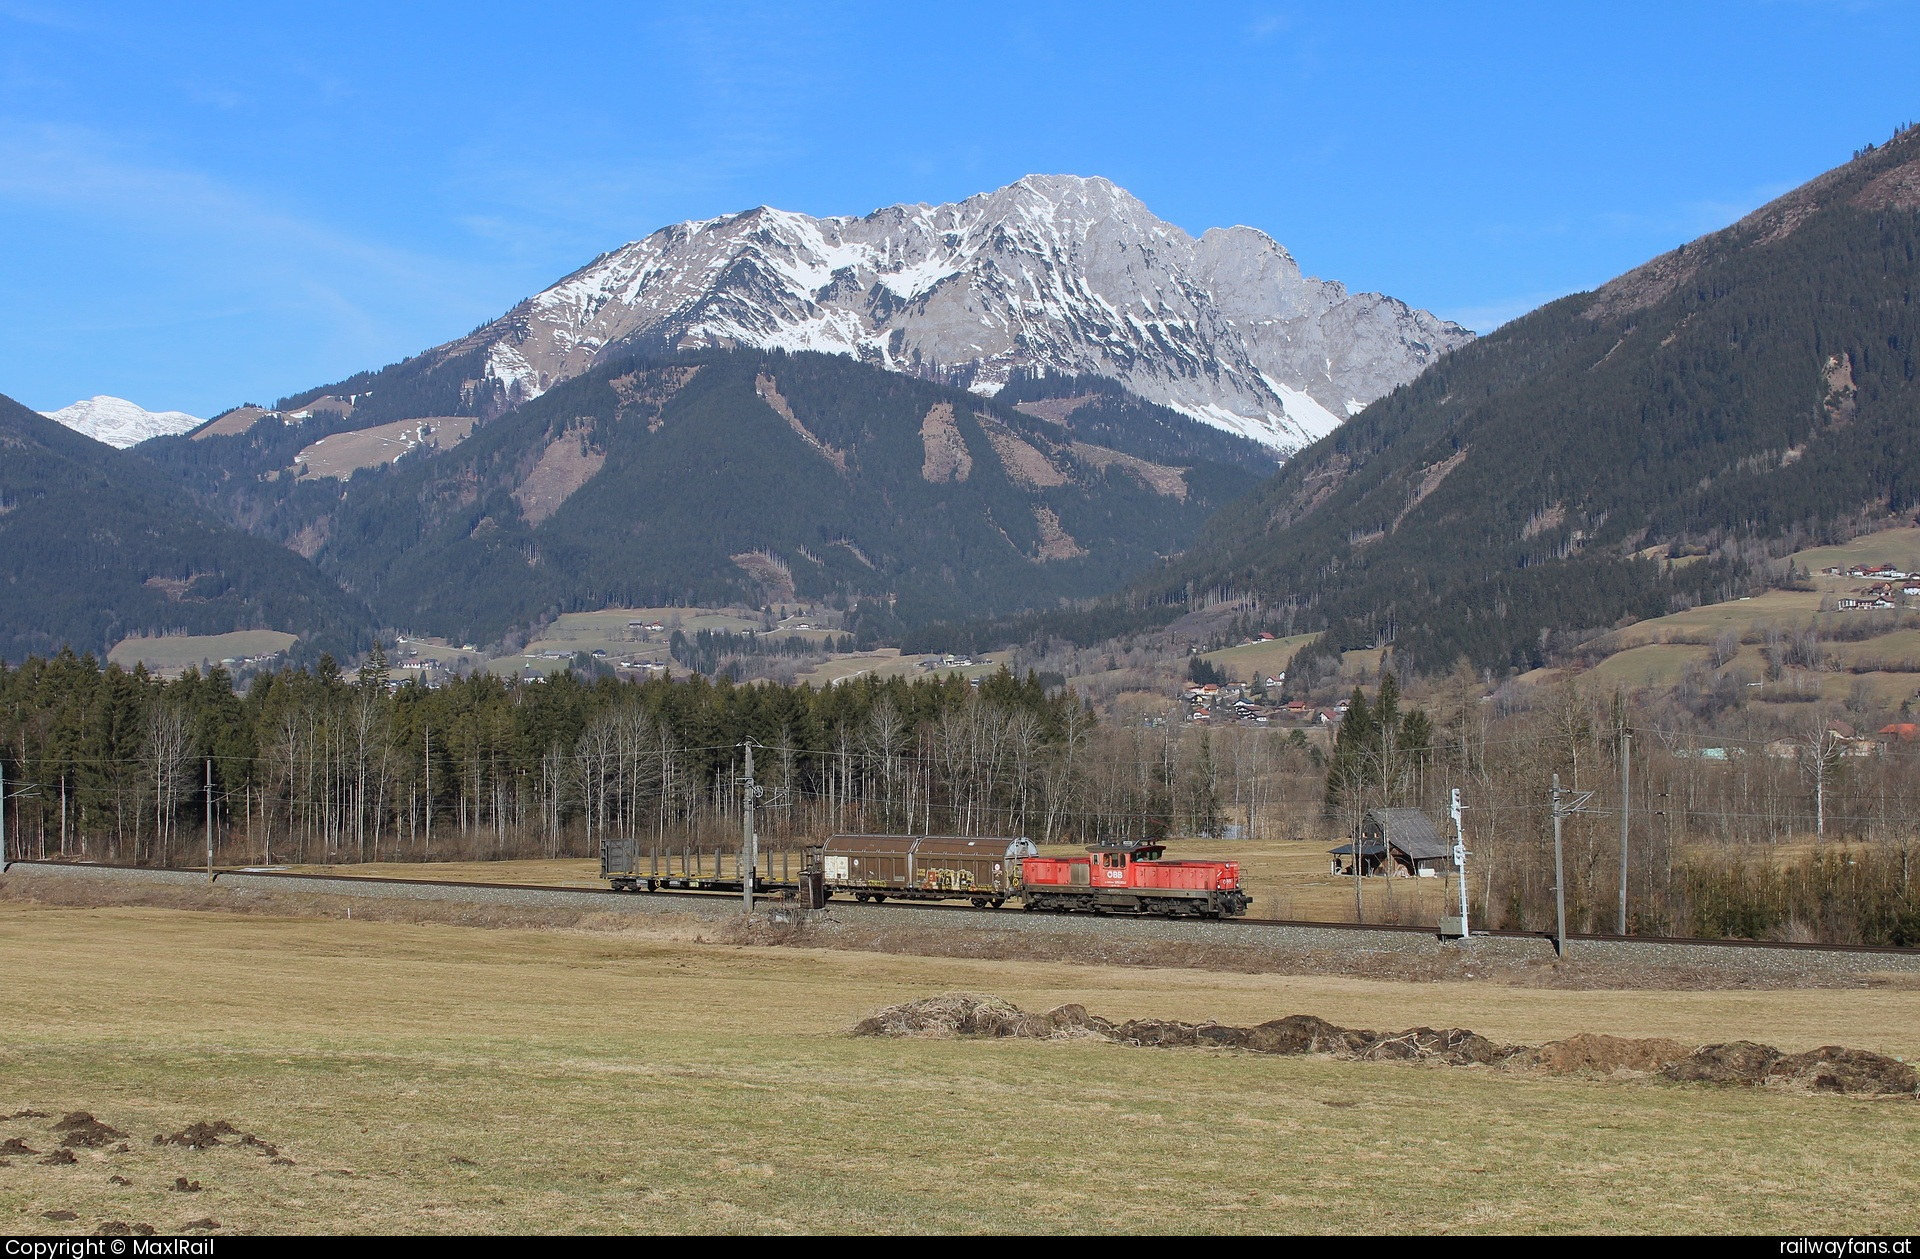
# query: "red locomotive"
1129, 877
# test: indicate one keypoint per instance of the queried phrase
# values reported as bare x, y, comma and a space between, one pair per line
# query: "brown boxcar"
982, 869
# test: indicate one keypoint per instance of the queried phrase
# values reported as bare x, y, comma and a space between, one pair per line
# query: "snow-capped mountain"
120, 423
1053, 272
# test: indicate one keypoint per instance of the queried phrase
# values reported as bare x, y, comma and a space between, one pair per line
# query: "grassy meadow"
179, 652
437, 1078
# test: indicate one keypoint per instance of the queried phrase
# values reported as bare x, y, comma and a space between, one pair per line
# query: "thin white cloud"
75, 170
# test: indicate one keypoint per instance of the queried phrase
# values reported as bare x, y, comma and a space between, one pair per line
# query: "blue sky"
207, 204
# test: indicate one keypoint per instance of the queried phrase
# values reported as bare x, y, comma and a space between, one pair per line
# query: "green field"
171, 655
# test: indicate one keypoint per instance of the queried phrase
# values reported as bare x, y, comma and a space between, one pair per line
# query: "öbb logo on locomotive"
1115, 877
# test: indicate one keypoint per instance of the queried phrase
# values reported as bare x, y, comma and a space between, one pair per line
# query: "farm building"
1397, 842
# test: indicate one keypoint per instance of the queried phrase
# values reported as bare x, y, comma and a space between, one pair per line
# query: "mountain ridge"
1751, 387
1050, 273
737, 475
97, 544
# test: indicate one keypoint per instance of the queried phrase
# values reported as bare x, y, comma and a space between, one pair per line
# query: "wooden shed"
1399, 842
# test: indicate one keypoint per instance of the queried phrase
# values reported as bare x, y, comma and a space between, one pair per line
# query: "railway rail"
720, 895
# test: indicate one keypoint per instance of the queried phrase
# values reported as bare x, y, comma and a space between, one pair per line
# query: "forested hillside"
735, 476
96, 544
1752, 389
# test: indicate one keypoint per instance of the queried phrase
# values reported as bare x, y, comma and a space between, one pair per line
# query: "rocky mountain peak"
1058, 273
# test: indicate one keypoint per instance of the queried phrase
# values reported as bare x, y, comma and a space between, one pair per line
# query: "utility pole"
1626, 799
209, 819
749, 851
1563, 804
1559, 878
1458, 927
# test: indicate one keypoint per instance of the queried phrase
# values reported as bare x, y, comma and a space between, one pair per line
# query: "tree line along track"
1260, 933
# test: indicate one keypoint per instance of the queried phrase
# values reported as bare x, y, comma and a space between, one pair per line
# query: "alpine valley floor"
429, 1078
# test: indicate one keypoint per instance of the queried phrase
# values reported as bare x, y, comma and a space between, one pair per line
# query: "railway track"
339, 884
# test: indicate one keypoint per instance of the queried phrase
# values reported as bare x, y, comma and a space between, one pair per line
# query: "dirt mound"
120, 1228
200, 1135
1832, 1068
1599, 1054
182, 1185
27, 1114
956, 1014
1297, 1034
1829, 1069
59, 1158
1736, 1062
969, 1014
14, 1145
1305, 1034
84, 1132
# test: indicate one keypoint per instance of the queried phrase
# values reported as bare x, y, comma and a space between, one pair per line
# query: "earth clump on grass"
1829, 1069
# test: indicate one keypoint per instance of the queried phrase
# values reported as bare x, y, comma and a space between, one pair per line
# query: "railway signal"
1450, 926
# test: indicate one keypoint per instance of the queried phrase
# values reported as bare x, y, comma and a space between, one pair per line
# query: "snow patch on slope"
1054, 273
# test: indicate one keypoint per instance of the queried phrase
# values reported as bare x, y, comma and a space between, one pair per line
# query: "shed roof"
1410, 831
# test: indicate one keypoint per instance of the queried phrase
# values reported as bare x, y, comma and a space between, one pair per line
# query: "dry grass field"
1889, 546
1286, 879
1293, 879
555, 872
435, 1078
606, 629
1265, 659
887, 662
184, 651
343, 454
